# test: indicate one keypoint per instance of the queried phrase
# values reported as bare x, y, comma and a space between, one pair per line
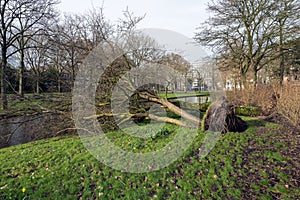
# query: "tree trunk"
21, 74
244, 80
254, 78
166, 91
170, 106
281, 53
58, 78
3, 80
37, 87
165, 119
185, 83
59, 86
235, 86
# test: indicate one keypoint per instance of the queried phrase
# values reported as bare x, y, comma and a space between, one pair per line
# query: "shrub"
269, 99
263, 98
247, 111
288, 103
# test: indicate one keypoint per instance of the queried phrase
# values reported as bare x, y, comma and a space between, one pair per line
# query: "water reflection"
199, 99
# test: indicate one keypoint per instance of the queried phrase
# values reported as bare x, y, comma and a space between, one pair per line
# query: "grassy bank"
183, 94
250, 165
37, 103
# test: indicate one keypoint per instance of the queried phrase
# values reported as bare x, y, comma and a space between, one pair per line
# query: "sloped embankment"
261, 163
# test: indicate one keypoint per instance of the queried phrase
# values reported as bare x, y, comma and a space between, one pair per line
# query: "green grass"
183, 94
37, 103
61, 168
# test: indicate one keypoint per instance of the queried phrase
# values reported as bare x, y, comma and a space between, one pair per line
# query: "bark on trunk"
170, 106
3, 80
37, 87
221, 118
21, 75
255, 79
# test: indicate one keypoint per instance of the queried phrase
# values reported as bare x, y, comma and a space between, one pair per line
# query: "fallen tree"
139, 111
219, 118
140, 100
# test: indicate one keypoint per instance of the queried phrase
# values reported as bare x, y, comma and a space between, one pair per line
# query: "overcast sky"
176, 15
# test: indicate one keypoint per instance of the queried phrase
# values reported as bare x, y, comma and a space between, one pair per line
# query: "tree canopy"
250, 33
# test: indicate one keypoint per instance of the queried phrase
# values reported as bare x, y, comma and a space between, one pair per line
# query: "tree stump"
220, 117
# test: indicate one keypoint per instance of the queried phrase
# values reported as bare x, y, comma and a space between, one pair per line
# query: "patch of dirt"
289, 136
278, 119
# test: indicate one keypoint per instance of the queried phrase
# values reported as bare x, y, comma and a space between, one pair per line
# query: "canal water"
199, 99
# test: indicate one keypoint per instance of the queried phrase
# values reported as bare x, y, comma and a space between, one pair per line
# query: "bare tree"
37, 58
18, 20
56, 55
8, 16
30, 21
286, 14
243, 29
73, 39
97, 27
180, 66
72, 46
